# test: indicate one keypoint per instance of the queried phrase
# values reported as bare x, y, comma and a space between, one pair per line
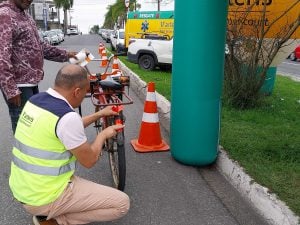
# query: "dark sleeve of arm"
7, 78
54, 54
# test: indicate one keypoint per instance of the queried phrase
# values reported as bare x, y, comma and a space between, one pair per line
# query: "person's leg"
15, 111
84, 202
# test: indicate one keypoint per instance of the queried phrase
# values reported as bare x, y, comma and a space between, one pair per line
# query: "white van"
117, 39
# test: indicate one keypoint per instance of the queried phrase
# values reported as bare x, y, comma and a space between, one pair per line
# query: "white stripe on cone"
151, 97
150, 117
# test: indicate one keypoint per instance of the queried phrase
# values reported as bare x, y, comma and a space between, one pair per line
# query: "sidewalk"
269, 206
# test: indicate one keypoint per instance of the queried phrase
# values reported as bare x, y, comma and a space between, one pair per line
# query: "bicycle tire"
117, 158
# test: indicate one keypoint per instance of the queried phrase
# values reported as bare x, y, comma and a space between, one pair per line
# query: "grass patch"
162, 79
265, 140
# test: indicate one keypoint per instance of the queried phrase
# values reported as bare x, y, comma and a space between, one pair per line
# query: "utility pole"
45, 15
70, 16
158, 5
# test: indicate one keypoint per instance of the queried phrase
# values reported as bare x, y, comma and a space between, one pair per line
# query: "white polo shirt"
70, 129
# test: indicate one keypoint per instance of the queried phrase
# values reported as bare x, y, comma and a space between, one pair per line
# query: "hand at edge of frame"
72, 55
16, 100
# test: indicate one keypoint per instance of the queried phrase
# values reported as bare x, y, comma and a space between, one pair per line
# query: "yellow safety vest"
41, 166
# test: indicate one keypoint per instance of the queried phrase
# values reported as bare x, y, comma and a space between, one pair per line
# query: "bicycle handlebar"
103, 88
100, 60
110, 57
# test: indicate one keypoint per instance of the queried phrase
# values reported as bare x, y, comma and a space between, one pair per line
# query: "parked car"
117, 39
109, 35
60, 34
150, 53
106, 35
72, 31
102, 31
54, 39
295, 55
44, 37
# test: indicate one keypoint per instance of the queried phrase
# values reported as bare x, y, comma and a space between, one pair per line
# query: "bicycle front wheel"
117, 160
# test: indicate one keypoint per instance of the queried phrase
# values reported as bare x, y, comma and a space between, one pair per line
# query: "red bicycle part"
117, 108
95, 97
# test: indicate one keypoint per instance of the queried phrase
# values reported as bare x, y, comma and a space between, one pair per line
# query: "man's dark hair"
70, 76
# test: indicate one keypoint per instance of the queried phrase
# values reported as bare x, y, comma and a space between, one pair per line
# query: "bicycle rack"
95, 97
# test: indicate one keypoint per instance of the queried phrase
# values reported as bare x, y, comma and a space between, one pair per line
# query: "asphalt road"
162, 191
289, 68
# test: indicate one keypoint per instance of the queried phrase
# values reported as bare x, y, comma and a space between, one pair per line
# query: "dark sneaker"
42, 220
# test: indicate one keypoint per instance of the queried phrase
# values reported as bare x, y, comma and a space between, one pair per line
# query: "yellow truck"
149, 24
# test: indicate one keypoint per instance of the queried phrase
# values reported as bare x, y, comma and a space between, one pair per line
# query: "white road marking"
295, 64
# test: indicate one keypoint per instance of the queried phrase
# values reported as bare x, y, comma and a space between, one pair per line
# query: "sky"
148, 5
87, 13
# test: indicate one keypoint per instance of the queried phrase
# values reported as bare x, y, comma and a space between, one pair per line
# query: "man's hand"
72, 55
107, 111
16, 100
112, 130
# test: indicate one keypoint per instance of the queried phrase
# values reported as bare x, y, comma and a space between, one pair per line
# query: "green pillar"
198, 65
268, 85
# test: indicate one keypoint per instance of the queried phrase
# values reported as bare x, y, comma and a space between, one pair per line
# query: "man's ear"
76, 92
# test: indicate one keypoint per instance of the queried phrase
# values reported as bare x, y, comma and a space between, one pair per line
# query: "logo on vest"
26, 119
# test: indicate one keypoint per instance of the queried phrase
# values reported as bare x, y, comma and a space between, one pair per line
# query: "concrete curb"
268, 205
292, 76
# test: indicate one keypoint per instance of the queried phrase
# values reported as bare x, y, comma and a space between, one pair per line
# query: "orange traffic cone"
103, 58
100, 48
115, 65
150, 138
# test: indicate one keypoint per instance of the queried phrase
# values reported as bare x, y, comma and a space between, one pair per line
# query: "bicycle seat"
109, 82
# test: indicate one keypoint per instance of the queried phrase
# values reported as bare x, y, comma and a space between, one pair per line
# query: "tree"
134, 5
65, 5
252, 49
94, 30
116, 15
108, 22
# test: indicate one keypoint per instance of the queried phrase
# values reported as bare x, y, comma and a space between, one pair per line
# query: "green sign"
151, 15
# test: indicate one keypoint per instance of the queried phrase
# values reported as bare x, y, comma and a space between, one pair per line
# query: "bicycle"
108, 89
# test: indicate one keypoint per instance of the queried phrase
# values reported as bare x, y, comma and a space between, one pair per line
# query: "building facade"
45, 14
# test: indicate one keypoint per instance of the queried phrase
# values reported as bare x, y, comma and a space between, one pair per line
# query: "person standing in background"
22, 56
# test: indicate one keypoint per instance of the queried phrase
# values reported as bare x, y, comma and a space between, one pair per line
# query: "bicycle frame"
111, 94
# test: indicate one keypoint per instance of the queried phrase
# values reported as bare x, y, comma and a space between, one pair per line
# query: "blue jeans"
15, 111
